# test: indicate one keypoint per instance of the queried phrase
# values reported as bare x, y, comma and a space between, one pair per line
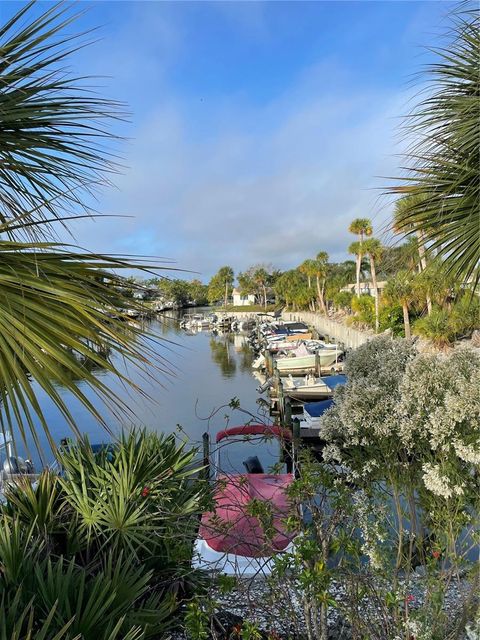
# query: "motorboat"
303, 359
313, 412
311, 388
253, 463
15, 470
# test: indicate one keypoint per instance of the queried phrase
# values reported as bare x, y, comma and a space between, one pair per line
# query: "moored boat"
230, 539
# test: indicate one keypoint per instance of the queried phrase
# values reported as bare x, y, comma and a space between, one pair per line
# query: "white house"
365, 288
240, 300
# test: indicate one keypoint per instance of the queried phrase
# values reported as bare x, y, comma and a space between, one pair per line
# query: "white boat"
254, 462
14, 470
311, 388
302, 359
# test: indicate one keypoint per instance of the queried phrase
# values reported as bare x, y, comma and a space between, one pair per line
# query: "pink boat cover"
255, 429
229, 529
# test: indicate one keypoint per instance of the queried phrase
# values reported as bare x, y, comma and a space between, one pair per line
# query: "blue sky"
258, 130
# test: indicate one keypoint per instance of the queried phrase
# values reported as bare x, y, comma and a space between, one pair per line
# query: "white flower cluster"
436, 482
402, 413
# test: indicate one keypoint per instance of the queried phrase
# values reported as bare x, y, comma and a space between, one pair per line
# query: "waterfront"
207, 371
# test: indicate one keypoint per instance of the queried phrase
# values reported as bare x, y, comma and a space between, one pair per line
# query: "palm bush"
104, 548
441, 194
60, 307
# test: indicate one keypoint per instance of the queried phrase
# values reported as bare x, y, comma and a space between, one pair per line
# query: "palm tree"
443, 163
226, 276
309, 269
402, 206
261, 278
373, 248
57, 304
400, 290
361, 227
321, 264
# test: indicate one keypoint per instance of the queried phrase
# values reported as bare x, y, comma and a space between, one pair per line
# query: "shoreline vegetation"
385, 523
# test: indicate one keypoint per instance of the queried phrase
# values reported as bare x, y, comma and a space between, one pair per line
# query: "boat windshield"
252, 454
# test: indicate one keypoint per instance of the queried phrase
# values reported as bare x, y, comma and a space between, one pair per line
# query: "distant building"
241, 300
366, 288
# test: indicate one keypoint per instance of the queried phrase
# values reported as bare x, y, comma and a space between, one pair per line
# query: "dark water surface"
208, 371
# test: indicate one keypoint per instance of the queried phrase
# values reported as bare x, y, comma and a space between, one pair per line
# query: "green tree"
57, 304
373, 248
400, 289
444, 159
321, 270
220, 285
362, 227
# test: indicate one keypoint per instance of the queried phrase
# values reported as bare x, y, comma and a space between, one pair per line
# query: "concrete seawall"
336, 332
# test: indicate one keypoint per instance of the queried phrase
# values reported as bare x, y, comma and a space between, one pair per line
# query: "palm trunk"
226, 294
321, 301
359, 263
423, 265
265, 296
375, 288
406, 320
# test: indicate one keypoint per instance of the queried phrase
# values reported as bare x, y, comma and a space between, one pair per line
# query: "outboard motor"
266, 385
253, 465
15, 466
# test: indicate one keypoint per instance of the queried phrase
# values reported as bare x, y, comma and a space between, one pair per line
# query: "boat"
230, 540
311, 388
302, 359
15, 470
313, 412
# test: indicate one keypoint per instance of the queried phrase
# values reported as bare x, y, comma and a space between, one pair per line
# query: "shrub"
364, 308
343, 300
436, 327
105, 548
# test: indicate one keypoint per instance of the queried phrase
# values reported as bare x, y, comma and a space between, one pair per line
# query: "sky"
258, 130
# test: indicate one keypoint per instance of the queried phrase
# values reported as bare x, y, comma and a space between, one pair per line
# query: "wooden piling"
206, 455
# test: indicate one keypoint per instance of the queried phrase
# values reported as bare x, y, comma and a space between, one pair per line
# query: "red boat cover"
229, 529
253, 430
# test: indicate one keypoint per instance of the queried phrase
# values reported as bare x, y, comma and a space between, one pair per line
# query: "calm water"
207, 372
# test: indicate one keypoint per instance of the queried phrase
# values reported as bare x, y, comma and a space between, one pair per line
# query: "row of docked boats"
194, 322
290, 349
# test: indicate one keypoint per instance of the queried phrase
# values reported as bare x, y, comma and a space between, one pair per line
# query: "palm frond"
60, 319
443, 165
53, 126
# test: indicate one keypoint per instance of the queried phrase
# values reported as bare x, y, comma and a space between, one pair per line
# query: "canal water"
207, 372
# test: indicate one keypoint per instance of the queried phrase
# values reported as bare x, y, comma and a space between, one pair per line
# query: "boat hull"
208, 559
300, 363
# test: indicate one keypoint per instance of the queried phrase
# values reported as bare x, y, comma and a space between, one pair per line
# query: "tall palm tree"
58, 305
309, 269
400, 290
321, 266
373, 248
444, 160
362, 227
402, 207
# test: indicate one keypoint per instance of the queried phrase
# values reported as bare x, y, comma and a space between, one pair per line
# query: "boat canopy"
253, 430
334, 381
316, 409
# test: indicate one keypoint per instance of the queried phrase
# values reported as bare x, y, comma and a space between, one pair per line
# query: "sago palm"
56, 302
443, 164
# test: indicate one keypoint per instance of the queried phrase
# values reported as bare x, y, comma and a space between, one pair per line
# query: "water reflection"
221, 354
203, 372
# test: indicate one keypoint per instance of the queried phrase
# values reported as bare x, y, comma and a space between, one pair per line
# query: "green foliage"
435, 327
105, 548
443, 327
364, 308
444, 159
220, 285
391, 317
343, 300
